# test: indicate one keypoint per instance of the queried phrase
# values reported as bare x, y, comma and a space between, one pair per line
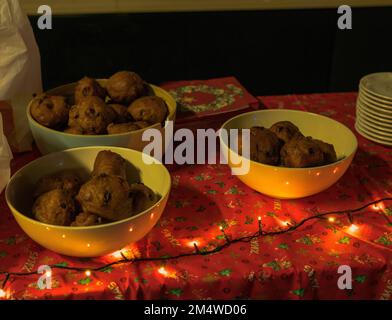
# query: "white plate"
378, 115
379, 107
375, 131
371, 137
378, 84
374, 98
372, 121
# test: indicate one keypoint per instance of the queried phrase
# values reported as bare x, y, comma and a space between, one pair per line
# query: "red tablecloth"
299, 265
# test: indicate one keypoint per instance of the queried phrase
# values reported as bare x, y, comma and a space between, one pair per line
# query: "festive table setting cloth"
302, 264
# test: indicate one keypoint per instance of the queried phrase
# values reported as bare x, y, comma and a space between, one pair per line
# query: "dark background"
270, 52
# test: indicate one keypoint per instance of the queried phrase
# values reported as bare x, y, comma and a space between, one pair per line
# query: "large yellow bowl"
292, 183
50, 140
94, 240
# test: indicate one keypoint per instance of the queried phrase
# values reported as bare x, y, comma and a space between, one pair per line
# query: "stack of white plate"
374, 108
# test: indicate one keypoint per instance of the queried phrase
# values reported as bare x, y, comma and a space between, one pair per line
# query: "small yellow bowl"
50, 140
293, 183
90, 241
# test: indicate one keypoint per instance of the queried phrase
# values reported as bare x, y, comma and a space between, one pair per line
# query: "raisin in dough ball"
285, 130
85, 219
66, 180
109, 163
264, 146
87, 87
50, 111
143, 197
328, 151
124, 87
107, 197
301, 152
91, 115
150, 109
120, 112
54, 207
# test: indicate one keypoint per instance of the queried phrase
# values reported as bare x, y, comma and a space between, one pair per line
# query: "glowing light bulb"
2, 293
63, 236
220, 228
88, 273
353, 228
163, 271
88, 245
193, 243
117, 254
378, 206
48, 273
318, 173
259, 218
331, 219
287, 183
130, 229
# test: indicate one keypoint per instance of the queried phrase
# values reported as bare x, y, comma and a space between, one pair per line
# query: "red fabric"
299, 265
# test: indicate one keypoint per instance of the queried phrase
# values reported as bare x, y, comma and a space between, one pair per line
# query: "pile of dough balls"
283, 144
123, 105
63, 199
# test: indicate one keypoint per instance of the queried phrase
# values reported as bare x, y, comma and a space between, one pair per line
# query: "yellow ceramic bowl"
94, 240
49, 140
292, 183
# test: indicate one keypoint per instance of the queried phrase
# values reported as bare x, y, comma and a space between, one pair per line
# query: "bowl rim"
158, 203
97, 136
292, 111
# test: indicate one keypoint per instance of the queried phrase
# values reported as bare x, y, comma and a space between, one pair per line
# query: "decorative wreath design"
223, 97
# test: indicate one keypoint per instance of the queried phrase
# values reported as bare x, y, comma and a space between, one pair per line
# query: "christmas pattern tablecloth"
302, 264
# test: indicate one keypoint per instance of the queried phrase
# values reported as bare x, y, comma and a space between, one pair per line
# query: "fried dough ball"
85, 219
151, 109
328, 151
125, 86
120, 112
264, 146
285, 130
67, 181
50, 111
122, 127
54, 207
91, 115
126, 127
143, 197
87, 87
142, 124
107, 197
301, 152
109, 163
73, 130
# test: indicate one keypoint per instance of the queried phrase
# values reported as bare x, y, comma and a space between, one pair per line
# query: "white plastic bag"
5, 158
20, 69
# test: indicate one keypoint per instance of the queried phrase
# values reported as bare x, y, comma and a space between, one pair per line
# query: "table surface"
299, 265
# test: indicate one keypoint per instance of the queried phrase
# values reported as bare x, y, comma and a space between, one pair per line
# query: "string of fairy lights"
376, 205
